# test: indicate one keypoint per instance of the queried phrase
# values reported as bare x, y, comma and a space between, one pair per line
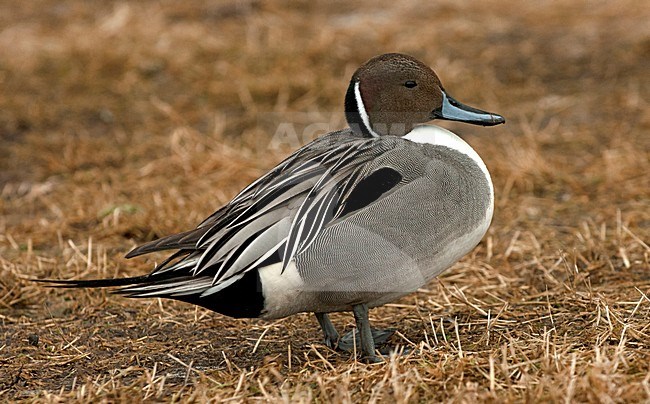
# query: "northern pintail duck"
351, 221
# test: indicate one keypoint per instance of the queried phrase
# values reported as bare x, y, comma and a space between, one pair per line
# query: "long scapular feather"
240, 237
262, 246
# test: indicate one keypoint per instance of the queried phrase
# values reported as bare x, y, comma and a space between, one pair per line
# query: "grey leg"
363, 324
380, 336
331, 336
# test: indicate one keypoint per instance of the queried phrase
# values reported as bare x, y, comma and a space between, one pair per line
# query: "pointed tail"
95, 283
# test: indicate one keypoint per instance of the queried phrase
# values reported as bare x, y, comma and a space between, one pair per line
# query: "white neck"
435, 135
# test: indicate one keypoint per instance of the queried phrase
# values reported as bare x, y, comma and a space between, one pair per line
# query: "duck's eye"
410, 84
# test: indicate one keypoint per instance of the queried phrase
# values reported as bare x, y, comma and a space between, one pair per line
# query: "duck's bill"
453, 110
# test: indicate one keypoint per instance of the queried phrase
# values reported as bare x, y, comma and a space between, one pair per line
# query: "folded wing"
270, 221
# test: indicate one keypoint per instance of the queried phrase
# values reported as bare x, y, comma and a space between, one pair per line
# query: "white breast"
435, 135
438, 136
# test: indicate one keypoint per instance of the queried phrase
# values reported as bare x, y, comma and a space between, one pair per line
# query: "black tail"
95, 283
158, 275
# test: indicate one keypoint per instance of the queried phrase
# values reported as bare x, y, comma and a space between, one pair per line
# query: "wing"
301, 165
273, 219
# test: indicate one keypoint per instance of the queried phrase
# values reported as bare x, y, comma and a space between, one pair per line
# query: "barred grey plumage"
351, 221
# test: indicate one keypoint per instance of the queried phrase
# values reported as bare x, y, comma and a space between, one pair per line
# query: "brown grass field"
122, 122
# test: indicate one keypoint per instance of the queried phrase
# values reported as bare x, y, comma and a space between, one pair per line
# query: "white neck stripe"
362, 110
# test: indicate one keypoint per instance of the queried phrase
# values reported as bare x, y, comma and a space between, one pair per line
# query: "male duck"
353, 220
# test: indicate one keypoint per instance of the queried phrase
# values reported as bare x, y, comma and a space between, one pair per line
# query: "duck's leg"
331, 335
347, 342
360, 312
379, 336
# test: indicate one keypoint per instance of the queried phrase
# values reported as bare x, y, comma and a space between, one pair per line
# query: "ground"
125, 121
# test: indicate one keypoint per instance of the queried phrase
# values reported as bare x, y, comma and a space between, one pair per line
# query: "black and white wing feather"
270, 221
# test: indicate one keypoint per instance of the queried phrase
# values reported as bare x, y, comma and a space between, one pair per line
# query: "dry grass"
120, 122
